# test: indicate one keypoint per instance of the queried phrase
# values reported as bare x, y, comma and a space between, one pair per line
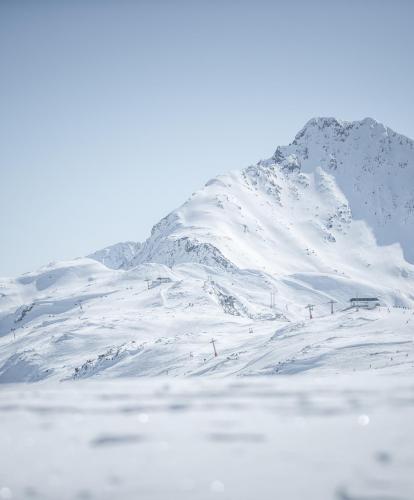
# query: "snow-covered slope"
117, 256
326, 218
371, 164
309, 194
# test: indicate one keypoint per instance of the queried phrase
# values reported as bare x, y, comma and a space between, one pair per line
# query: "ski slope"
112, 327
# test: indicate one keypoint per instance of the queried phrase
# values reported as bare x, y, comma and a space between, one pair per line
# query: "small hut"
365, 302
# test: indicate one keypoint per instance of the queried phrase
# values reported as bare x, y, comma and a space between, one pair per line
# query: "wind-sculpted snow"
327, 218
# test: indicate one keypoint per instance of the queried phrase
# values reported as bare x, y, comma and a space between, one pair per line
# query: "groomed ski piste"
188, 366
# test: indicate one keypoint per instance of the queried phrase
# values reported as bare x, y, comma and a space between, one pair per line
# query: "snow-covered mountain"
326, 218
372, 165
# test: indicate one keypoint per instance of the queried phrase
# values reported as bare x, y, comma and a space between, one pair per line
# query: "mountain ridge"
296, 157
239, 261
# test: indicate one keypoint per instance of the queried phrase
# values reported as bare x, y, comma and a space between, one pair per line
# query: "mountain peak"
340, 126
372, 165
323, 122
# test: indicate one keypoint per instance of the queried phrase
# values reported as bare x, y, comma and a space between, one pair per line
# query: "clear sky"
113, 112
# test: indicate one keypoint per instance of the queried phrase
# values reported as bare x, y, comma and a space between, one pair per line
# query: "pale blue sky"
112, 113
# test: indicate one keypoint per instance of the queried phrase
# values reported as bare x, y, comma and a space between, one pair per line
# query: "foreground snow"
296, 438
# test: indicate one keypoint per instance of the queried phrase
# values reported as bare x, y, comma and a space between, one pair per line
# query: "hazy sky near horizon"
113, 112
